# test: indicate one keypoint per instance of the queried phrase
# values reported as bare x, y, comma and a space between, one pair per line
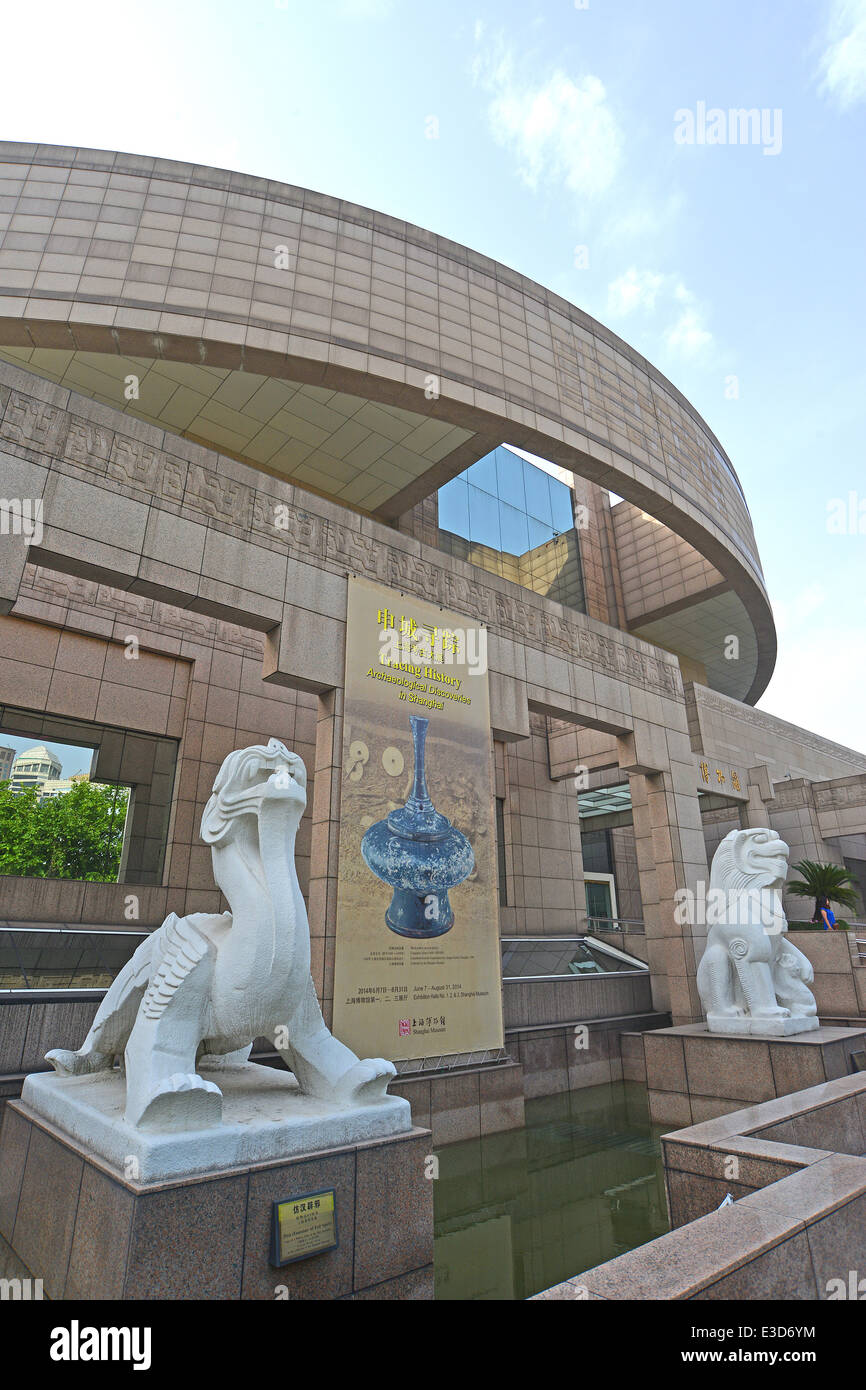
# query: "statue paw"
183, 1101
67, 1063
367, 1081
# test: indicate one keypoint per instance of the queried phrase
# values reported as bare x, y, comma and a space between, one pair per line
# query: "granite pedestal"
693, 1075
80, 1220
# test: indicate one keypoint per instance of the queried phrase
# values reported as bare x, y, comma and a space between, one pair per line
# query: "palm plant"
824, 880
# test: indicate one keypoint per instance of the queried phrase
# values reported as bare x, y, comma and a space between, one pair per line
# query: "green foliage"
77, 835
830, 880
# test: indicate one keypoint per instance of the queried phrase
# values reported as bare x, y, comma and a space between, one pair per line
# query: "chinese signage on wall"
417, 967
725, 781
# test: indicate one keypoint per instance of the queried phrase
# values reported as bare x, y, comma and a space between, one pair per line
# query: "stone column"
754, 814
671, 856
325, 843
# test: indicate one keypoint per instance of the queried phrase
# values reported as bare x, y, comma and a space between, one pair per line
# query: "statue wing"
181, 947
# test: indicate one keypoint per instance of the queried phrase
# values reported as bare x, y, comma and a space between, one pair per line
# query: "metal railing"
620, 924
63, 956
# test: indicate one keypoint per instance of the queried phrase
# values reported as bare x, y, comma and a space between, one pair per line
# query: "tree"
825, 880
77, 835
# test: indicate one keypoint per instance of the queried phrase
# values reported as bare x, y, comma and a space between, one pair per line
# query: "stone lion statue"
751, 979
207, 985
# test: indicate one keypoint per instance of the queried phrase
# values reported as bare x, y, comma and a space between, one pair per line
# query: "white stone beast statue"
751, 978
211, 984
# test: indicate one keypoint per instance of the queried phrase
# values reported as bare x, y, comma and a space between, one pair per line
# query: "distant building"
59, 786
7, 758
34, 768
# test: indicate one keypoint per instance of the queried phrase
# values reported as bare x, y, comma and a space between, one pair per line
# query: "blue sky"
529, 130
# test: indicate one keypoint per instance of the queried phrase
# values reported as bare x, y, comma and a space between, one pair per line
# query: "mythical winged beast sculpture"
210, 984
752, 979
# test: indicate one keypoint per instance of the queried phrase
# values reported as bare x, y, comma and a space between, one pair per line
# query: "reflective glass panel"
483, 474
509, 474
537, 493
515, 529
561, 508
484, 519
530, 956
454, 507
538, 533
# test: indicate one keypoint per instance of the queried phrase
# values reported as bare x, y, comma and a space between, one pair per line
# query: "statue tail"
114, 1019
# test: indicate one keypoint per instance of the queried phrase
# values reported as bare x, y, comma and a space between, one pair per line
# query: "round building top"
356, 355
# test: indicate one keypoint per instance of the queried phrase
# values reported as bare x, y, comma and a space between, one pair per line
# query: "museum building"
223, 400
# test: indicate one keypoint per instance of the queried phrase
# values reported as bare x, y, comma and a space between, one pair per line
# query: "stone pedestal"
90, 1232
693, 1075
265, 1116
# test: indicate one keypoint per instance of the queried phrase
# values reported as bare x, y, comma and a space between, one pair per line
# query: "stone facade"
222, 547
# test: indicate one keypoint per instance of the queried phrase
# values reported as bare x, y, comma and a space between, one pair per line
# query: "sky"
565, 139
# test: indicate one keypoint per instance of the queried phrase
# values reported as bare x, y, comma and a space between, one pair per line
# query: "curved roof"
360, 356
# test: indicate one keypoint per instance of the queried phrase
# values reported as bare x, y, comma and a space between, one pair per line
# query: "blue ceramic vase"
419, 854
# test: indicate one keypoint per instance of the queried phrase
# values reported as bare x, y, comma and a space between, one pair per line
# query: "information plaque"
303, 1226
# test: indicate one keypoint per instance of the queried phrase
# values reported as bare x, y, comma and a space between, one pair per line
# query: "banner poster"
417, 969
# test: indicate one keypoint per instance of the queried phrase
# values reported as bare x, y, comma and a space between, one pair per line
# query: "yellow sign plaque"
303, 1226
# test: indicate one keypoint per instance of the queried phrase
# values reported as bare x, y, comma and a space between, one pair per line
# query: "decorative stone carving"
205, 986
751, 978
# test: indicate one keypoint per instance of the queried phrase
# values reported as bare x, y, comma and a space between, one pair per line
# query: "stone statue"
203, 987
751, 978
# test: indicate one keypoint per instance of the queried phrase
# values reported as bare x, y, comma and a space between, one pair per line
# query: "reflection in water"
519, 1211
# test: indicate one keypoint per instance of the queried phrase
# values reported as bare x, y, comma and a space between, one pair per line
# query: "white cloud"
561, 131
843, 62
650, 291
688, 335
636, 289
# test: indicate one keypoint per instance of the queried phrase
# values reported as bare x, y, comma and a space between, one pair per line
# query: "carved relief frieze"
853, 794
221, 499
34, 423
193, 487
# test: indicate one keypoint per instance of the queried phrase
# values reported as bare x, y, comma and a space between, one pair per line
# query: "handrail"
622, 924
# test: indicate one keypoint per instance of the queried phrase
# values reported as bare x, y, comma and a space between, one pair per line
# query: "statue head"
248, 778
748, 859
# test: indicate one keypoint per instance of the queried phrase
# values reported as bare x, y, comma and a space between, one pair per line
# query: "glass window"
503, 515
484, 519
538, 534
454, 507
598, 903
561, 507
509, 475
535, 481
515, 529
483, 474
